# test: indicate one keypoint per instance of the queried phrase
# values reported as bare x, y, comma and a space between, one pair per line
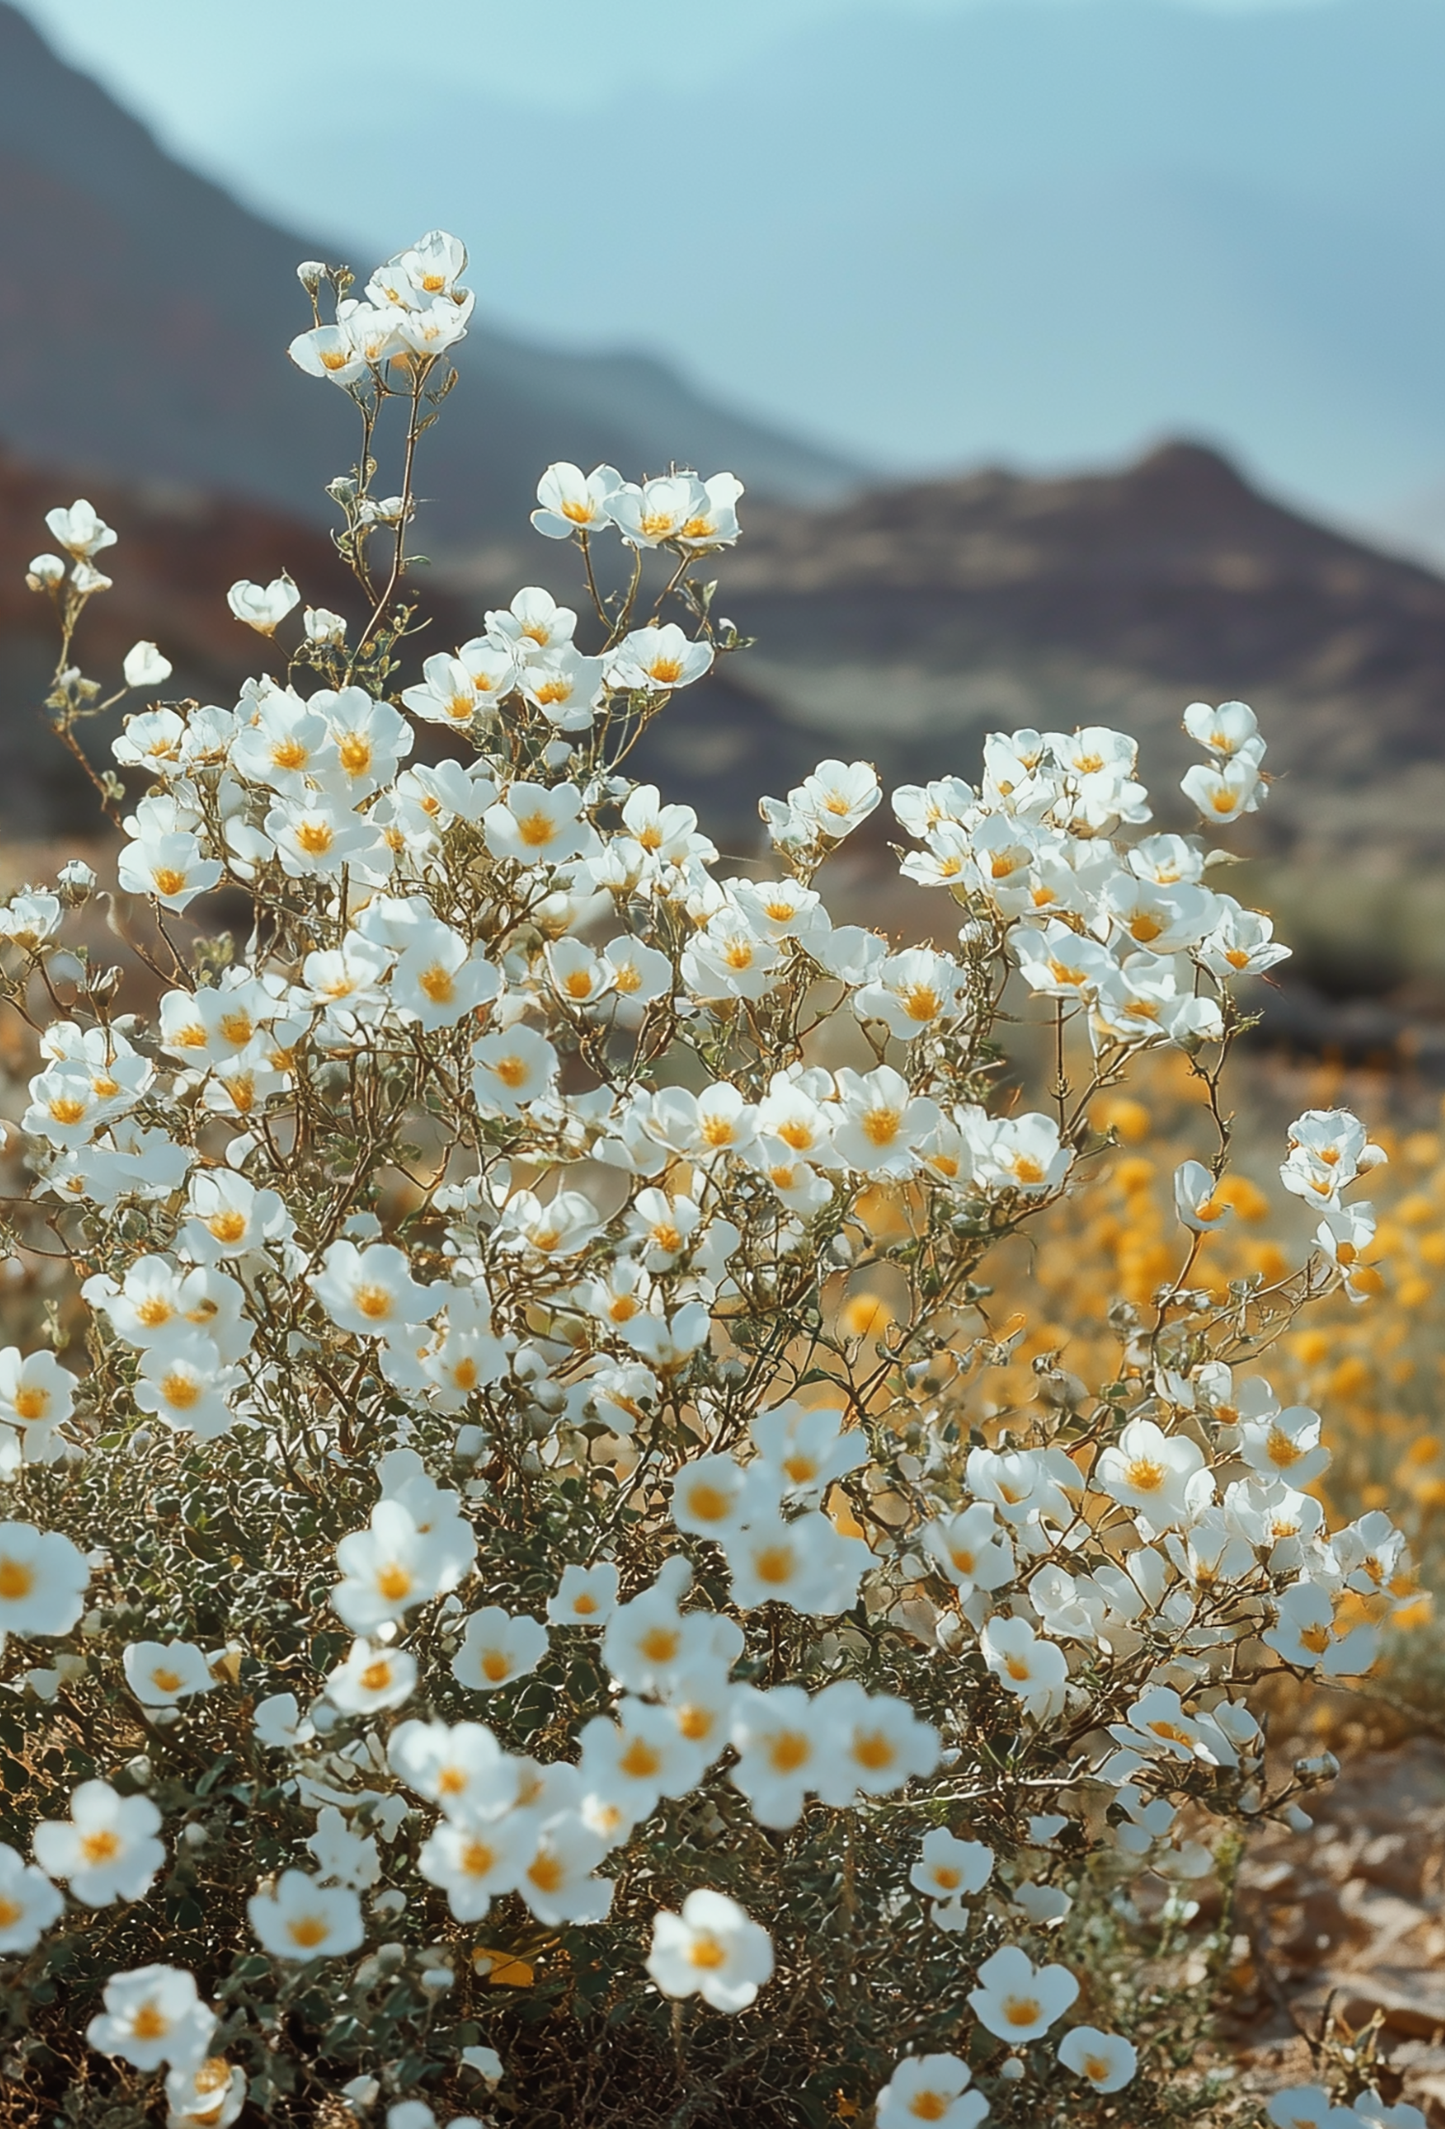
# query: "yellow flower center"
875, 1750
182, 1391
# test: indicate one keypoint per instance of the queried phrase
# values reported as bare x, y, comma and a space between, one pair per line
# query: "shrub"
526, 1608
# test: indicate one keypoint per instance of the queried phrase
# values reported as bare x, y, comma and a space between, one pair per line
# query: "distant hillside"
144, 319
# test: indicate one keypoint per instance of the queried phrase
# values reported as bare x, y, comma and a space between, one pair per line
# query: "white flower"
324, 626
169, 866
262, 606
1022, 1153
30, 919
558, 1881
343, 1857
971, 1549
29, 1903
1285, 1445
36, 1395
837, 797
1057, 962
299, 1918
1223, 794
882, 1121
498, 1646
872, 1742
1017, 2001
371, 1679
474, 1861
564, 686
657, 657
513, 1067
930, 2088
951, 1869
561, 1228
712, 1497
440, 978
640, 1757
42, 1581
79, 530
713, 1949
1194, 1198
180, 1382
153, 2015
459, 1766
1104, 2060
160, 1673
106, 1849
370, 1291
1305, 1634
779, 1743
45, 572
1242, 942
1159, 1475
210, 2096
914, 993
586, 1596
278, 1724
806, 1563
1024, 1664
229, 1217
536, 824
574, 501
143, 666
317, 836
1157, 1724
329, 351
1232, 729
717, 524
533, 622
658, 510
394, 1564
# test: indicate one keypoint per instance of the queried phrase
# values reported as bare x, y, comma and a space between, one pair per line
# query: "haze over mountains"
1046, 232
144, 318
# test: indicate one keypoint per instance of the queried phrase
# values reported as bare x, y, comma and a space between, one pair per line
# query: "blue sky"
929, 232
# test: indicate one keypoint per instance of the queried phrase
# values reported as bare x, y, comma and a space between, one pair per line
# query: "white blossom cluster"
504, 1148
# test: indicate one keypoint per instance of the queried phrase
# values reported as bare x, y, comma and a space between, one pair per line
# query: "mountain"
144, 318
1040, 232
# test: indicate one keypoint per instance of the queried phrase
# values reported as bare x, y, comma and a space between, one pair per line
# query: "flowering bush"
522, 1613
